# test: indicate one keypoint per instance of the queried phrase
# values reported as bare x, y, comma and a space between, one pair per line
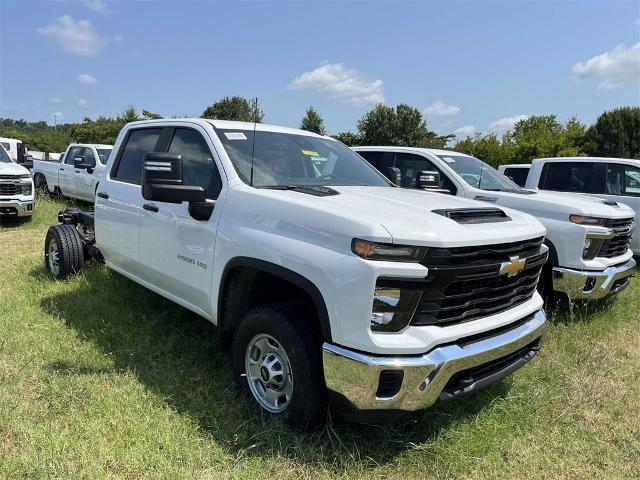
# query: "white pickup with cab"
76, 174
326, 281
588, 238
16, 188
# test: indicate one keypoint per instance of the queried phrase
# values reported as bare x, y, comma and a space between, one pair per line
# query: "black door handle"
62, 169
150, 206
104, 195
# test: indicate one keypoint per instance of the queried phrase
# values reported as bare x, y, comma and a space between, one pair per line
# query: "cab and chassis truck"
329, 284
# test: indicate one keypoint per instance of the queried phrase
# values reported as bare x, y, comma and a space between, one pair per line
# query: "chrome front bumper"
14, 207
356, 376
589, 285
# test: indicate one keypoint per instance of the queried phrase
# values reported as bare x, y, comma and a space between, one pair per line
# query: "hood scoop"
316, 190
475, 215
611, 203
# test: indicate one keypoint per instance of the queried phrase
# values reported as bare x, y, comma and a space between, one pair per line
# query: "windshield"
4, 157
286, 159
478, 174
104, 153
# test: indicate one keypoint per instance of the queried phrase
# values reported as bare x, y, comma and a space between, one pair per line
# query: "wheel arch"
282, 273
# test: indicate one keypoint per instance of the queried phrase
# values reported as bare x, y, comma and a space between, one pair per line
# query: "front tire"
63, 251
277, 363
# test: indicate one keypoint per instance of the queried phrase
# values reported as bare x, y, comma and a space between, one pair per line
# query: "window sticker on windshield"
235, 135
448, 159
311, 153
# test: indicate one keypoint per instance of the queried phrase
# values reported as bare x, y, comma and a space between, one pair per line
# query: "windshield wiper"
279, 187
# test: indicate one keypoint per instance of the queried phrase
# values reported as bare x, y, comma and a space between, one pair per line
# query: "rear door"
175, 249
119, 206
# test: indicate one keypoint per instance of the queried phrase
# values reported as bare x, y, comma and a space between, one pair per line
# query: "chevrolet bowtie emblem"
513, 267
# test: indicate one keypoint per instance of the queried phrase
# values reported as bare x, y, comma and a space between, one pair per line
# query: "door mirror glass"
162, 180
78, 162
429, 179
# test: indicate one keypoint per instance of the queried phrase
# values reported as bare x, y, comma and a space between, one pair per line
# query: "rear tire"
63, 251
277, 363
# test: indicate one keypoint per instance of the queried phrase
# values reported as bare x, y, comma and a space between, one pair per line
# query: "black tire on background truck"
278, 364
63, 251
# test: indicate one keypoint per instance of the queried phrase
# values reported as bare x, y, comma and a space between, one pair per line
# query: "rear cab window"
518, 175
569, 177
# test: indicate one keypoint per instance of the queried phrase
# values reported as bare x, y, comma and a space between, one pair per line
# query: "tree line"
616, 133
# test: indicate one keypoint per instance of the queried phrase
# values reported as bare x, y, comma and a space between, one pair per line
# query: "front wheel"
63, 251
278, 365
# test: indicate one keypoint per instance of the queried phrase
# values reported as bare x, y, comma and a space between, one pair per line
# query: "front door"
66, 172
83, 180
176, 250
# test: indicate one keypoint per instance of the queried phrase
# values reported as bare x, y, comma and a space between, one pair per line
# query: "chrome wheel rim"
269, 373
53, 258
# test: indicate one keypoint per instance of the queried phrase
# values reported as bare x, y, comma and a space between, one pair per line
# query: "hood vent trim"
471, 216
316, 190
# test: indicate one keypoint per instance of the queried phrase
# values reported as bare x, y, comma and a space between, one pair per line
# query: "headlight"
26, 188
393, 308
582, 220
386, 251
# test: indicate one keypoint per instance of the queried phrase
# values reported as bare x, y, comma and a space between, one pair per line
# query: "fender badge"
513, 267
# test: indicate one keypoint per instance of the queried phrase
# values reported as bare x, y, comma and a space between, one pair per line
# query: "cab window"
128, 168
518, 175
568, 177
410, 164
622, 180
198, 166
73, 153
89, 157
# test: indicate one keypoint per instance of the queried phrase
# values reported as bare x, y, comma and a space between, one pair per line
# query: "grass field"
100, 378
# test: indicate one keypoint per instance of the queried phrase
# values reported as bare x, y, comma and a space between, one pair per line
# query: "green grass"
100, 378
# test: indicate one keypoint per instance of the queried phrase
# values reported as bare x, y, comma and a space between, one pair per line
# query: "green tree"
233, 108
543, 136
147, 115
400, 126
616, 133
488, 148
350, 139
312, 122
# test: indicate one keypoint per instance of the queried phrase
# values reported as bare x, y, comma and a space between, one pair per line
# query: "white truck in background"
325, 280
16, 188
17, 151
588, 238
76, 174
611, 179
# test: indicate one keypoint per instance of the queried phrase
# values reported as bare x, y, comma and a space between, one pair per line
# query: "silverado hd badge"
513, 267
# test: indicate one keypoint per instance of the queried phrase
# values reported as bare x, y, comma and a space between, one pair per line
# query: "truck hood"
560, 205
12, 169
408, 217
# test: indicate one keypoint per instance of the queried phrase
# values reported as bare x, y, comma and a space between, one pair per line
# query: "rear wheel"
278, 365
63, 251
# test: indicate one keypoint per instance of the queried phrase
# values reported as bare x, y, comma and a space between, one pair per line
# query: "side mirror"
394, 174
162, 180
78, 162
429, 179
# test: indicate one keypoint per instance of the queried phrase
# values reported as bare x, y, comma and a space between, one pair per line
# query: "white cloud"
82, 103
441, 109
97, 6
612, 69
337, 81
77, 37
506, 123
54, 100
87, 79
464, 132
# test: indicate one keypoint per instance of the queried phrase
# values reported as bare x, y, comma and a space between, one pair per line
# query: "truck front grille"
7, 189
465, 283
619, 244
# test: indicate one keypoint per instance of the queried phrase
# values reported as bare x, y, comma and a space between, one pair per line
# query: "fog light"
393, 308
590, 284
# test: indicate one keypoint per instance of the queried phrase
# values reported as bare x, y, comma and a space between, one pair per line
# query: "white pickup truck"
76, 174
588, 238
16, 188
612, 179
324, 279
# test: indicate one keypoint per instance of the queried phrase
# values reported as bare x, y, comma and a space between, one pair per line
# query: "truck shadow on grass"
175, 354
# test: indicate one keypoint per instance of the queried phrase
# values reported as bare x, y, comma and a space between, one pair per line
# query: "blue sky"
468, 65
